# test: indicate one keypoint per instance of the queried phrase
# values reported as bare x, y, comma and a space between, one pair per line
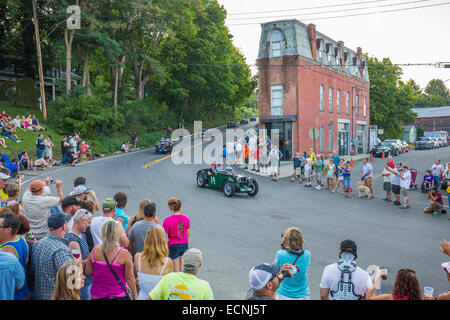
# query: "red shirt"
83, 148
439, 197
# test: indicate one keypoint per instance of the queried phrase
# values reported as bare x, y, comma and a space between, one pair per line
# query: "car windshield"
424, 139
386, 144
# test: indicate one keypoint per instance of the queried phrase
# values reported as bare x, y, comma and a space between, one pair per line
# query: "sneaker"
396, 203
386, 199
435, 213
292, 179
19, 141
389, 200
404, 207
318, 187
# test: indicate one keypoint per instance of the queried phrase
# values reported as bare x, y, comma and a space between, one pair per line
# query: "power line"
335, 11
308, 8
356, 14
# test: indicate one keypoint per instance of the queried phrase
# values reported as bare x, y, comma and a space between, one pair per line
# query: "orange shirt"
246, 151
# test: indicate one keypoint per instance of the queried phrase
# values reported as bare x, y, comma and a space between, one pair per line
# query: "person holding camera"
265, 279
295, 288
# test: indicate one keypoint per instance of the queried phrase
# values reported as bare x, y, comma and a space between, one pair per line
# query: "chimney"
341, 46
360, 56
312, 40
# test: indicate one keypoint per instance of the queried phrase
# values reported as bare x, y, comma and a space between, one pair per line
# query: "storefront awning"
283, 118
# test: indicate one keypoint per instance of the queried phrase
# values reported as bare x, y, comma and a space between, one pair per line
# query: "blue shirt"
428, 178
297, 163
21, 249
121, 214
297, 286
12, 275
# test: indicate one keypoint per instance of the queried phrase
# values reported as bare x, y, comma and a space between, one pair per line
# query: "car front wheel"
228, 188
254, 188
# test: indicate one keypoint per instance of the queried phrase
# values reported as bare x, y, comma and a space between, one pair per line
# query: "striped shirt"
12, 275
49, 254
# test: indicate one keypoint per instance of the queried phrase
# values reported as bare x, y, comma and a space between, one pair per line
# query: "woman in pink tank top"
104, 283
406, 287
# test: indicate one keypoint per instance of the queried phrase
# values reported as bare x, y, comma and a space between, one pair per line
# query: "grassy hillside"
29, 137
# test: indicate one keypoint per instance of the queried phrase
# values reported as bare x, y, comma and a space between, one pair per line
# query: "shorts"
430, 209
387, 186
308, 173
296, 172
368, 182
318, 176
177, 250
341, 178
404, 192
395, 189
246, 160
347, 182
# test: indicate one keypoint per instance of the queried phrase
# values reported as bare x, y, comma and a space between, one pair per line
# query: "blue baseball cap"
57, 220
261, 274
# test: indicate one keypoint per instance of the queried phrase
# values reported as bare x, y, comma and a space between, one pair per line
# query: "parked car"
388, 147
435, 142
244, 121
252, 119
232, 124
424, 143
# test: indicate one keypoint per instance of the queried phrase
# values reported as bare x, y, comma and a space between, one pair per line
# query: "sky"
408, 36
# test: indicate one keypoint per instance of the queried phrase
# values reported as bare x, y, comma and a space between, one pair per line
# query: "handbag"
117, 278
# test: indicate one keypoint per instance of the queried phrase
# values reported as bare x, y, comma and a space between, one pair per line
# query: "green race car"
228, 181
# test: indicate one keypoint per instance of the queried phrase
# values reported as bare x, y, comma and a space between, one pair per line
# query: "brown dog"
363, 191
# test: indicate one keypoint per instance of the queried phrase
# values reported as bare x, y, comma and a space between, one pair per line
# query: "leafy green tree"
436, 87
391, 99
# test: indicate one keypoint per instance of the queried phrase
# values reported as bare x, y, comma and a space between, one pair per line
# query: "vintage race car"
228, 181
163, 146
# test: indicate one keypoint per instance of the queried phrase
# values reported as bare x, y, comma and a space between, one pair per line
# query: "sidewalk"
286, 167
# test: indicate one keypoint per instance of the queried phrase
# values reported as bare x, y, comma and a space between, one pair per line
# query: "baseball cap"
57, 220
446, 266
70, 201
261, 274
192, 260
78, 190
4, 176
109, 203
36, 185
349, 246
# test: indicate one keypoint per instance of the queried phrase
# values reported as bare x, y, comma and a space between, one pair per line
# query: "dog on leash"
363, 191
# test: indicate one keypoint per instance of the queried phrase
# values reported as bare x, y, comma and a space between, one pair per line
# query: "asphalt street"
237, 233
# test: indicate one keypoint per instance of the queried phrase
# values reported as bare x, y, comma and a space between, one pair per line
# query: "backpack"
345, 289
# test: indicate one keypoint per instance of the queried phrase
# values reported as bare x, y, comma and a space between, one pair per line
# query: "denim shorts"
177, 250
347, 182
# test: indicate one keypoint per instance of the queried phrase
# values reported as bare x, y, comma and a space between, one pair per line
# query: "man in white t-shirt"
436, 170
336, 285
37, 203
109, 212
395, 182
405, 182
308, 171
252, 147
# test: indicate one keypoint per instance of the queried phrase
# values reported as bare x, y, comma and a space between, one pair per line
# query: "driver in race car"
219, 168
212, 169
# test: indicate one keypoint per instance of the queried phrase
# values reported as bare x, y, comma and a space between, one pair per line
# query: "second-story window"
277, 100
321, 98
338, 101
276, 40
330, 106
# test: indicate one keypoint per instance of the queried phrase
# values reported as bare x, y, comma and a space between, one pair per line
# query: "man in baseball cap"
348, 246
70, 205
265, 279
57, 220
183, 285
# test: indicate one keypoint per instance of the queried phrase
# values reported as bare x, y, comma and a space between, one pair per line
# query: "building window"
424, 123
365, 107
330, 107
347, 103
357, 105
321, 97
338, 100
322, 139
277, 100
276, 40
330, 137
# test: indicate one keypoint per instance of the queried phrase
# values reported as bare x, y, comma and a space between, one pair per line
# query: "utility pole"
41, 73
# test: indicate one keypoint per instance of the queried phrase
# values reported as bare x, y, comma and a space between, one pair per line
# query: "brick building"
433, 119
307, 80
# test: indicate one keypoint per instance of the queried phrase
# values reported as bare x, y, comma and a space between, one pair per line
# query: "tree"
436, 87
391, 99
